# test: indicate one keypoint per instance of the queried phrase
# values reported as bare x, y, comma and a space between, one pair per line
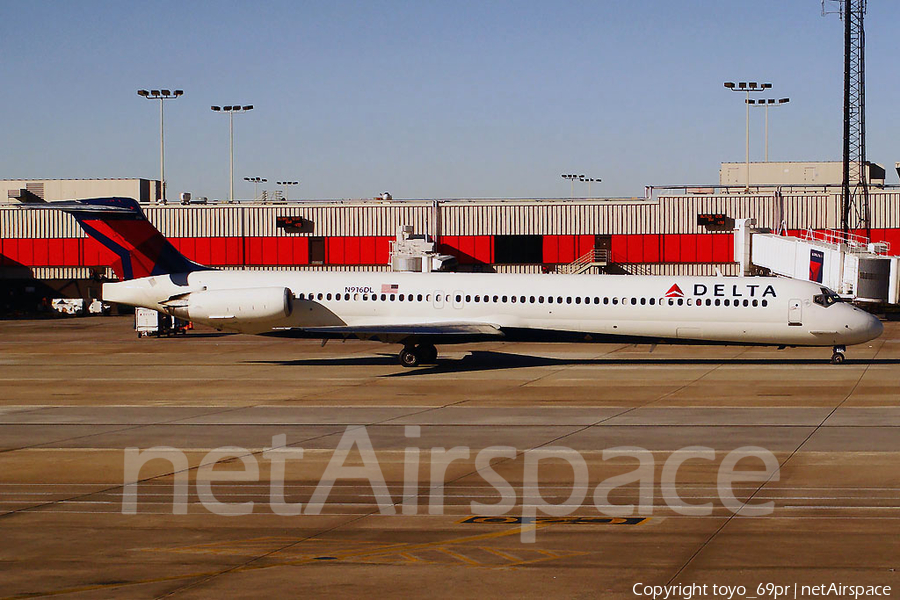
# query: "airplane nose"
873, 328
866, 326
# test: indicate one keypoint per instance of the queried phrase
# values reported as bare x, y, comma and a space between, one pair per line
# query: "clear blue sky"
430, 99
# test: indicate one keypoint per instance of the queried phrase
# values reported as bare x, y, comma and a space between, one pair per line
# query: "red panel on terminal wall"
254, 250
269, 250
483, 249
585, 244
203, 250
618, 248
688, 248
218, 249
367, 251
41, 252
450, 245
234, 253
334, 251
351, 250
551, 248
705, 247
635, 249
56, 252
285, 251
567, 248
466, 249
96, 254
723, 247
301, 250
382, 250
189, 248
10, 251
671, 248
651, 248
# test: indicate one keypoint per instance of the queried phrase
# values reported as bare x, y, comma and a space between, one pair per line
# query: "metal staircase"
594, 258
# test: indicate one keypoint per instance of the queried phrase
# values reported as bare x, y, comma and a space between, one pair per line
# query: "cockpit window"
826, 298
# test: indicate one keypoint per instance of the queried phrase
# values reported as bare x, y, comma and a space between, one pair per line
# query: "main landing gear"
838, 356
413, 356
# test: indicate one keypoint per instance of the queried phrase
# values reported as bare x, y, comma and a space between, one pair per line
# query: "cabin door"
795, 312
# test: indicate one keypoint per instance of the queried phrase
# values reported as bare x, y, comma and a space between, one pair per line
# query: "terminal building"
683, 231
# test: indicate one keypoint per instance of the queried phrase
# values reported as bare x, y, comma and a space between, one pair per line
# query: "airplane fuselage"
735, 310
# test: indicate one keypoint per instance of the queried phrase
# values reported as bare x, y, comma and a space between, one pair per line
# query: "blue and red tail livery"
121, 226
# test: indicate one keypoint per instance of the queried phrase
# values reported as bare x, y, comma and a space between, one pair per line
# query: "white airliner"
419, 310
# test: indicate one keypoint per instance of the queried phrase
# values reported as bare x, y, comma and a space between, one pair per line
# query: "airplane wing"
400, 332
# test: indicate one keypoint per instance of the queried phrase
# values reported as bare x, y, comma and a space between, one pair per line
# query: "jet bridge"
858, 271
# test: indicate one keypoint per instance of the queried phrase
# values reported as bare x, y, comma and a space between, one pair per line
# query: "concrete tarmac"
380, 499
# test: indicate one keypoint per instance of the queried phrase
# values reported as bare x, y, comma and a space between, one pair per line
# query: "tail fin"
121, 226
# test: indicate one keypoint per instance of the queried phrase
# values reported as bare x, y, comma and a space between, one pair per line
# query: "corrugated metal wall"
660, 232
549, 217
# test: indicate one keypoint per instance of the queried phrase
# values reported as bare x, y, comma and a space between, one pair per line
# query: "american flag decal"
389, 288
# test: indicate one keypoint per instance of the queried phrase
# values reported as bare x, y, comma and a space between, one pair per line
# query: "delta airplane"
419, 310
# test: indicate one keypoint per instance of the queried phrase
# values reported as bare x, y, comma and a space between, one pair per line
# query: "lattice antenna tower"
855, 214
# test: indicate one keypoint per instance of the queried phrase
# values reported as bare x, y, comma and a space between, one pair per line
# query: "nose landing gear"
413, 356
838, 356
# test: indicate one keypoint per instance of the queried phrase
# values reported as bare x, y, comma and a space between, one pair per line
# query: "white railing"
594, 257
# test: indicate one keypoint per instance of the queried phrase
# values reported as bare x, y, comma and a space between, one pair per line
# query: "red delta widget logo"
722, 290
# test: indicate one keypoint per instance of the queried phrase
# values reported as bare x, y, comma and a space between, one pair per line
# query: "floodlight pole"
743, 86
161, 95
767, 102
237, 108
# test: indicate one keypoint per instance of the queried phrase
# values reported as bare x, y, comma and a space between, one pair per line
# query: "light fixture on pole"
767, 102
743, 86
287, 184
255, 181
231, 110
161, 95
589, 181
572, 179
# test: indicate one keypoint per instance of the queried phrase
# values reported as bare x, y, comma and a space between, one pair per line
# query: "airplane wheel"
429, 353
837, 358
409, 357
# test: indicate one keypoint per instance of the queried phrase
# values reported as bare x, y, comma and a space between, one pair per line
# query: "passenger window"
477, 298
718, 302
765, 303
504, 299
615, 300
746, 303
496, 297
643, 301
681, 302
577, 300
458, 298
605, 300
540, 299
756, 303
531, 299
321, 295
401, 297
727, 302
652, 301
596, 300
671, 302
634, 301
549, 299
569, 300
522, 299
513, 299
393, 297
419, 297
383, 297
